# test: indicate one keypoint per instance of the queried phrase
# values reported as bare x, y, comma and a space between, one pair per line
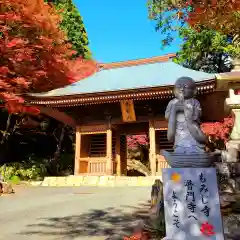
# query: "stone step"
108, 181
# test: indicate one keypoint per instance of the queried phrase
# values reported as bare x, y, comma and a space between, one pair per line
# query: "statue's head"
185, 88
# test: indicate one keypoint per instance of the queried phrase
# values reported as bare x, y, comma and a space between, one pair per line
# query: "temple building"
125, 98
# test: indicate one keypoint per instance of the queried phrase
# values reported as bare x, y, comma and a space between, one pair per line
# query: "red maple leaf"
34, 54
207, 229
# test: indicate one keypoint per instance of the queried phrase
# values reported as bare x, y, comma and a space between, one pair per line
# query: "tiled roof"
136, 62
130, 75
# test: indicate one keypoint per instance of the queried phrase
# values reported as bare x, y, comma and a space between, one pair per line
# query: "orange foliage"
34, 56
216, 14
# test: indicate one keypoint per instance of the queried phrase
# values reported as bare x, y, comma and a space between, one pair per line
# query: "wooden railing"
161, 163
97, 166
163, 143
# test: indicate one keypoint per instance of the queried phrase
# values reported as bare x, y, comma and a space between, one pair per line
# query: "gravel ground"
37, 213
86, 213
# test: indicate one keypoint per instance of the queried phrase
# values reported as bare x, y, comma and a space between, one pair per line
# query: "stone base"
105, 181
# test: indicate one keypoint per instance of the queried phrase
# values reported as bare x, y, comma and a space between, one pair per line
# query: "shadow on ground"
110, 223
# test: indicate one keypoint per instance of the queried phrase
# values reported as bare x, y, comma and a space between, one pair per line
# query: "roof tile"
136, 62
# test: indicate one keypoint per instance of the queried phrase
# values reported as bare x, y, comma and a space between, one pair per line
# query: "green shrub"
27, 170
15, 180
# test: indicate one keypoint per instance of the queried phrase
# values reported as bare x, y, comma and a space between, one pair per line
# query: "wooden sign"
191, 204
128, 111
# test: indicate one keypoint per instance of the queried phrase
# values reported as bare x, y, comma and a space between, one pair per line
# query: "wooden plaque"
128, 111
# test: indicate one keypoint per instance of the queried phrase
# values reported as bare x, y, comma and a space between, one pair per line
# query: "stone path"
37, 213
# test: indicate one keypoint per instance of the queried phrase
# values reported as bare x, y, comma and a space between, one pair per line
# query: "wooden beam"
58, 115
94, 128
109, 164
118, 154
77, 151
116, 121
152, 149
160, 124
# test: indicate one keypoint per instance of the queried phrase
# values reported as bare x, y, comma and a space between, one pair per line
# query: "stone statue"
183, 114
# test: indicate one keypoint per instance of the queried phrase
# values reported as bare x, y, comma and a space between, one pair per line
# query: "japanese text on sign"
191, 202
175, 210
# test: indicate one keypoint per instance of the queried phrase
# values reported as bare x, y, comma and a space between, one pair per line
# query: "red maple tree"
218, 130
221, 15
216, 14
34, 55
134, 141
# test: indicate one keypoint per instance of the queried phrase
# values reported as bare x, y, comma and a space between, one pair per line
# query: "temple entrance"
136, 150
138, 155
139, 150
103, 150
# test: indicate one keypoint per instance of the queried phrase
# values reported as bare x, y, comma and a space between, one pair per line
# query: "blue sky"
119, 30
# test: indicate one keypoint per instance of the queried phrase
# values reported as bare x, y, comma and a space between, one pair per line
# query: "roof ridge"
135, 62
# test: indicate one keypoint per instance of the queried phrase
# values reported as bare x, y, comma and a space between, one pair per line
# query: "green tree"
167, 19
202, 49
217, 15
205, 50
72, 24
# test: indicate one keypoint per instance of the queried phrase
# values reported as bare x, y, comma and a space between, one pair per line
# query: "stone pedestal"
229, 170
235, 134
233, 146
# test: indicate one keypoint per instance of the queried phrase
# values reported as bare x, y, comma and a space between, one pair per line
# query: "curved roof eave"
158, 74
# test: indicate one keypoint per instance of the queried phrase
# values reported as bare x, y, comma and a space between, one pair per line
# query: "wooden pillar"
77, 151
152, 149
109, 165
123, 155
118, 154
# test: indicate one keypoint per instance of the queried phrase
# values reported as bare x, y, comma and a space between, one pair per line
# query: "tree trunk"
5, 133
57, 153
59, 145
138, 166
